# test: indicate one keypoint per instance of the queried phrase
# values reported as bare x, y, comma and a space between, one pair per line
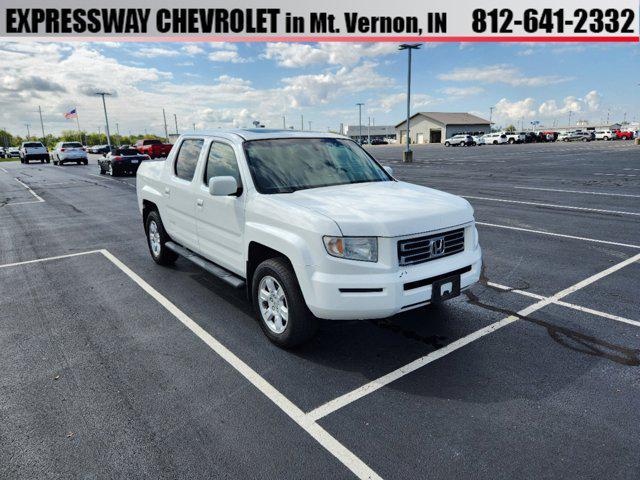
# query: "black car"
121, 161
378, 141
98, 149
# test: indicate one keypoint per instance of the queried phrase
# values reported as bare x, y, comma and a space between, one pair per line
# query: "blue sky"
216, 85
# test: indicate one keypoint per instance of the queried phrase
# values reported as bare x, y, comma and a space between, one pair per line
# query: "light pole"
106, 117
408, 154
175, 120
166, 132
360, 122
490, 115
28, 131
369, 132
284, 122
570, 112
309, 125
118, 132
302, 122
41, 124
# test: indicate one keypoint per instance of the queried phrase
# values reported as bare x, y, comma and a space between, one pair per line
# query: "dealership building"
434, 127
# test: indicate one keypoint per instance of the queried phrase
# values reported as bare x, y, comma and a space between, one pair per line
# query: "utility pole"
369, 132
284, 122
41, 124
570, 112
490, 116
408, 154
302, 122
175, 120
118, 132
360, 122
166, 133
309, 125
106, 117
194, 127
28, 131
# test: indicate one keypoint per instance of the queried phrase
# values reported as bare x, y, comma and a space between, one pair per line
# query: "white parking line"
579, 191
5, 171
112, 179
591, 311
30, 191
616, 174
374, 385
553, 205
560, 235
46, 259
324, 438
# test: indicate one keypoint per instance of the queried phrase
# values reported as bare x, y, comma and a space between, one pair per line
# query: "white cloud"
386, 103
154, 52
297, 55
192, 49
592, 99
461, 91
505, 109
226, 56
500, 74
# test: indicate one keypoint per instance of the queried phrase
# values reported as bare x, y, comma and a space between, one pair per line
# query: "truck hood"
385, 209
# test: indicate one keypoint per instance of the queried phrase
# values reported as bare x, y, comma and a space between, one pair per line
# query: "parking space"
119, 367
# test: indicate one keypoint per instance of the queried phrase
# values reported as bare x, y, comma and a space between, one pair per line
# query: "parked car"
33, 151
621, 135
515, 137
378, 141
121, 161
154, 148
495, 138
461, 140
12, 152
226, 201
65, 152
98, 149
478, 140
577, 136
2, 153
605, 135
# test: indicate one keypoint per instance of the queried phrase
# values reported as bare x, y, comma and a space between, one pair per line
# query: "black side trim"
359, 290
430, 280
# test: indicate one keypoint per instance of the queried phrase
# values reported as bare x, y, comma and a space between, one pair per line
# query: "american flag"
71, 114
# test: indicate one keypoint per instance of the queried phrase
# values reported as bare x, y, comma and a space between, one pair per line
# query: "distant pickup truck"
152, 147
310, 224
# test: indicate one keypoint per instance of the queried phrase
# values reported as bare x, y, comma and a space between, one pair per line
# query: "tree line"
84, 137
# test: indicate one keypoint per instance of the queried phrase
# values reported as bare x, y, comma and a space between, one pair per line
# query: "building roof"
260, 134
450, 118
373, 130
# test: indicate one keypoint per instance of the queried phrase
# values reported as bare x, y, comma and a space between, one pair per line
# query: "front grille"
422, 249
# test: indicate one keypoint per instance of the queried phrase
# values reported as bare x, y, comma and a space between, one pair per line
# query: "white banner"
331, 20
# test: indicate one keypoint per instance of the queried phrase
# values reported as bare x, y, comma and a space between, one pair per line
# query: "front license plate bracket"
445, 288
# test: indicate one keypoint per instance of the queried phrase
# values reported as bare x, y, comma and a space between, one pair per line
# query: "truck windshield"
290, 164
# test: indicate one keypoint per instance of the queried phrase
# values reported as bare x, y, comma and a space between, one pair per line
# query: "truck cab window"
187, 158
221, 162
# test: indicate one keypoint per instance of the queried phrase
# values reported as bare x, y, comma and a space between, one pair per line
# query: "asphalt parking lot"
114, 367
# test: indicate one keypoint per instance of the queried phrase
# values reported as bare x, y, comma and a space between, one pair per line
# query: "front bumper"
354, 297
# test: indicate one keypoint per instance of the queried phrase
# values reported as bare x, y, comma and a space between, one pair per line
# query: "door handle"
167, 191
199, 202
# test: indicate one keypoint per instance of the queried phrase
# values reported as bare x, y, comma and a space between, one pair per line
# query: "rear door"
221, 219
180, 194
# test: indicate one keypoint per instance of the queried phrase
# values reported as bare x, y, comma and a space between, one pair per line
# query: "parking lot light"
106, 117
407, 157
360, 122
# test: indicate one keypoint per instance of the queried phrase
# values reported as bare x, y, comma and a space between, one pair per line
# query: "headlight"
364, 249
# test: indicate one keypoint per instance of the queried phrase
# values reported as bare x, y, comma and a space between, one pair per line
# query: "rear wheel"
447, 144
156, 240
280, 306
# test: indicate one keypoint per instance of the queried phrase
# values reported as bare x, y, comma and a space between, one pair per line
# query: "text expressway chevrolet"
310, 224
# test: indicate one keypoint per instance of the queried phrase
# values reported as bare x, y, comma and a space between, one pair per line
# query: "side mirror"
222, 186
389, 170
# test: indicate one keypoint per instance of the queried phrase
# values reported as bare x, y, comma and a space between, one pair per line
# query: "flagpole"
78, 123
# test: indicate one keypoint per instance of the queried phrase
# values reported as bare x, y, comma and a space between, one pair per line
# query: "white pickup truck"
310, 224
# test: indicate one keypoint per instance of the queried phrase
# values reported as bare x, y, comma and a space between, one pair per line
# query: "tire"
154, 229
447, 144
300, 324
495, 142
512, 141
86, 162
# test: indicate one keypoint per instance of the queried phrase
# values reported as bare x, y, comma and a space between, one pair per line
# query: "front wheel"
156, 240
447, 144
280, 306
